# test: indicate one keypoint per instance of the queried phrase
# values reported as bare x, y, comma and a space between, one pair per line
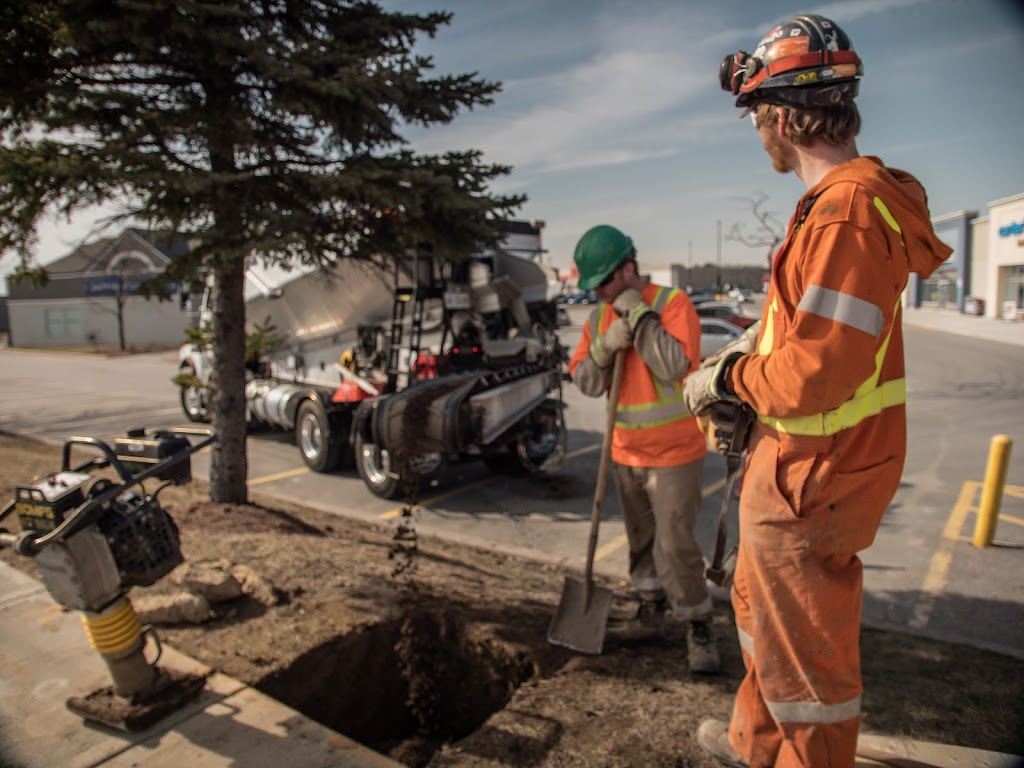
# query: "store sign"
1012, 229
111, 286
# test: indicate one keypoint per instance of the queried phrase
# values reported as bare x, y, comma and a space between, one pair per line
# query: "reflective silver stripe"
843, 308
638, 414
663, 297
746, 641
594, 320
813, 711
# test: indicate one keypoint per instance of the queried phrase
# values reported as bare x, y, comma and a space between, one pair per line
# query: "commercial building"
985, 273
89, 297
998, 270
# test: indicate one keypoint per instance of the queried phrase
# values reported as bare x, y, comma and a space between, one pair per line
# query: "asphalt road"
920, 575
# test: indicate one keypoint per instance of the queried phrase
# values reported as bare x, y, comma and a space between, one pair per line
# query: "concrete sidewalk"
951, 321
45, 658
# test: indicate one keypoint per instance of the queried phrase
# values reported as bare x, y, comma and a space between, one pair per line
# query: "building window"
63, 323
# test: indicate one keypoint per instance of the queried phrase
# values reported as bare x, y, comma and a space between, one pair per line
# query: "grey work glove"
706, 386
744, 345
630, 305
619, 336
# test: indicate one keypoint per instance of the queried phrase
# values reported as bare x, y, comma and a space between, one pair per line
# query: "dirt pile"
437, 655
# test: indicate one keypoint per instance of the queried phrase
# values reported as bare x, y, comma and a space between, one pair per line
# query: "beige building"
997, 271
78, 306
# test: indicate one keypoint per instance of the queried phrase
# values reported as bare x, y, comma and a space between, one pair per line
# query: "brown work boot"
648, 623
701, 652
713, 738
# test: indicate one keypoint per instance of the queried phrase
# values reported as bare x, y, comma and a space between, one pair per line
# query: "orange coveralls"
657, 448
825, 457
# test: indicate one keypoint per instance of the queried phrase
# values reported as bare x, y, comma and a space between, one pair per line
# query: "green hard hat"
598, 253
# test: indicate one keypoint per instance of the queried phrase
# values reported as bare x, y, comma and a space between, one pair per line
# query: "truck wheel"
374, 467
319, 447
191, 398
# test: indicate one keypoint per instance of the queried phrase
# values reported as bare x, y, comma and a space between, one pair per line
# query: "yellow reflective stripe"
768, 339
868, 400
594, 321
887, 215
663, 297
651, 414
849, 414
669, 406
619, 424
813, 711
889, 218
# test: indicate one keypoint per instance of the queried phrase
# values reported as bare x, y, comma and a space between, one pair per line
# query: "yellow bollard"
992, 491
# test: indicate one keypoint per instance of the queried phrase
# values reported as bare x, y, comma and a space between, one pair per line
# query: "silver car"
715, 334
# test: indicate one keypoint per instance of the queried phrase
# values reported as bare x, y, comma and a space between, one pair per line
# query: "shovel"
582, 615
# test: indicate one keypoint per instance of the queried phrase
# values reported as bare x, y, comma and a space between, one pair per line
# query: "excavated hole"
402, 687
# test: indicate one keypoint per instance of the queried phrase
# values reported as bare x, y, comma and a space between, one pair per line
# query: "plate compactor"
94, 537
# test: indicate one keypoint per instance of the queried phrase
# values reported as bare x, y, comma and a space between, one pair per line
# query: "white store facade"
998, 268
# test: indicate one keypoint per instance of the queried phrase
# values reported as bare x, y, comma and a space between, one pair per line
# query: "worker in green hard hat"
657, 449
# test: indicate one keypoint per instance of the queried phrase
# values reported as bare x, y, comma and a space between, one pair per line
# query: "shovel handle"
602, 472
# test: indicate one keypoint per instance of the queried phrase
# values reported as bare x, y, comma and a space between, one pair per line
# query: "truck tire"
319, 445
191, 398
374, 468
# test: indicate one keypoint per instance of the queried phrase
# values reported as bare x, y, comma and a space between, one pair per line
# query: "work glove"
744, 345
619, 336
630, 305
706, 386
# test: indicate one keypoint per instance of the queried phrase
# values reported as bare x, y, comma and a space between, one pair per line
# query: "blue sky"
611, 111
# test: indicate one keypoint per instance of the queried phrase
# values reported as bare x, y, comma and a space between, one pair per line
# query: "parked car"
725, 310
582, 297
715, 334
700, 297
741, 294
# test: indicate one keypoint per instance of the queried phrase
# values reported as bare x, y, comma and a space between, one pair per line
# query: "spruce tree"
259, 129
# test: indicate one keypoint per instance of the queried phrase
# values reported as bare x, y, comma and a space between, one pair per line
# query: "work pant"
797, 599
660, 507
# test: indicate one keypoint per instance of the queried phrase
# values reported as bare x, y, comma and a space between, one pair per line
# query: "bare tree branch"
769, 232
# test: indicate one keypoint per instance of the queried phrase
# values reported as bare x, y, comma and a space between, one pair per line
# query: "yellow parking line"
938, 569
1010, 519
599, 554
278, 476
584, 450
620, 541
397, 511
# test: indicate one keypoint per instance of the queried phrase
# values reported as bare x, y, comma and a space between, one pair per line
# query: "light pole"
718, 272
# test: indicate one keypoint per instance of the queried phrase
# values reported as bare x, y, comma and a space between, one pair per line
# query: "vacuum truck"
398, 373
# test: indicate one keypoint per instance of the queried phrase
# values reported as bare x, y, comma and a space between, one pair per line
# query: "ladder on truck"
408, 310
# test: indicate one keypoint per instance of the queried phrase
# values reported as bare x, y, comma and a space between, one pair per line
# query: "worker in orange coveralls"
826, 380
657, 449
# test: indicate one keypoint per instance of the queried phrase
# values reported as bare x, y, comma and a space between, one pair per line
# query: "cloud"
851, 10
625, 101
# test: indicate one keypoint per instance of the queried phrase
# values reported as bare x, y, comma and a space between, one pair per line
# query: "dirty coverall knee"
660, 507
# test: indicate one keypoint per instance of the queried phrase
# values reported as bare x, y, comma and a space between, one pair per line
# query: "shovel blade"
579, 623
